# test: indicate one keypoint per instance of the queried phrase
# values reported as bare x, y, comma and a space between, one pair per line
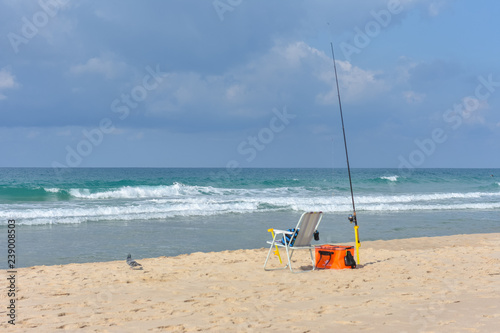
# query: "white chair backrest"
308, 224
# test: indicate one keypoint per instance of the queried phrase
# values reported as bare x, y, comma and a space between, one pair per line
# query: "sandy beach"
438, 284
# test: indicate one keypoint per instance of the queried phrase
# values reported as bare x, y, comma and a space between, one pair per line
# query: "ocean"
101, 214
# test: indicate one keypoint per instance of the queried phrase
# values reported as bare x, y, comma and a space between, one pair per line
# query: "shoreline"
418, 284
409, 241
110, 241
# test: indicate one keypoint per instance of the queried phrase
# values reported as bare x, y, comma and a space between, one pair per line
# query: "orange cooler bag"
334, 257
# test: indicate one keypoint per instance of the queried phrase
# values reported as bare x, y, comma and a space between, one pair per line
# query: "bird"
132, 263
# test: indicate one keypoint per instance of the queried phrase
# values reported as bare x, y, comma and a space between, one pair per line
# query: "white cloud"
435, 8
7, 81
356, 84
288, 73
472, 110
235, 92
403, 69
105, 65
302, 69
413, 97
295, 53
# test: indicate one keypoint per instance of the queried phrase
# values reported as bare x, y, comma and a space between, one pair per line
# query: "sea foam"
129, 192
390, 178
163, 203
181, 195
52, 190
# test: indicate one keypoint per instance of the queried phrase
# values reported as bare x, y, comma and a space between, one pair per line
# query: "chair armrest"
276, 231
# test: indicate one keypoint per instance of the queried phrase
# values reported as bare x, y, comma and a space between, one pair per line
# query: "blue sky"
240, 83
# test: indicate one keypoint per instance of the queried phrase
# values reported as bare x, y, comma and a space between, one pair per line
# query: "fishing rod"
352, 218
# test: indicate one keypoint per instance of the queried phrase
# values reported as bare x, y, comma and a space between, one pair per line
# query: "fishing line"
352, 218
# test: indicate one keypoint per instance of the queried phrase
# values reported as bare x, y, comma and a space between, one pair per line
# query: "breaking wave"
132, 203
390, 178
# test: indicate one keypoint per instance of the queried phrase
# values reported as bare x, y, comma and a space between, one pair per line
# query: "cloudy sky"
249, 83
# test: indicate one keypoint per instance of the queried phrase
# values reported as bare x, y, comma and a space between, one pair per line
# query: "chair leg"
290, 259
268, 254
267, 259
312, 260
289, 255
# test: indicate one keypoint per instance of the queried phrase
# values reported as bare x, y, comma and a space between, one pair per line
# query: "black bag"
349, 260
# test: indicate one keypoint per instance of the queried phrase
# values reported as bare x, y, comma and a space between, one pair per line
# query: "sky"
249, 83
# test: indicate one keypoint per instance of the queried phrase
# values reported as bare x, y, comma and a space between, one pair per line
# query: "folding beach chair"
306, 226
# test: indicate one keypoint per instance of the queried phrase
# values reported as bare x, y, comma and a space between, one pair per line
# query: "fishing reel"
350, 218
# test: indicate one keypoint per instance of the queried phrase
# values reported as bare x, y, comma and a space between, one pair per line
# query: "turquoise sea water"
100, 214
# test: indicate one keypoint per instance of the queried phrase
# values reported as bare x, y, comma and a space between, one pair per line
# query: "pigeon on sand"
132, 263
